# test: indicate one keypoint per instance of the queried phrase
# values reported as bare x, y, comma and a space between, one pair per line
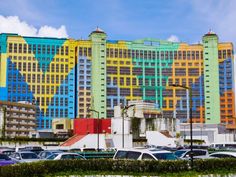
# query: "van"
144, 154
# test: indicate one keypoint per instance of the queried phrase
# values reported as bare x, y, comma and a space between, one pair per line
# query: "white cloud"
12, 24
173, 38
48, 31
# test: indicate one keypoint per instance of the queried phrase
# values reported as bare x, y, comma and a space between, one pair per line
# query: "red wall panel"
89, 125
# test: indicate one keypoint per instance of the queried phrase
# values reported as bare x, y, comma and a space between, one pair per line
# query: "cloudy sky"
176, 20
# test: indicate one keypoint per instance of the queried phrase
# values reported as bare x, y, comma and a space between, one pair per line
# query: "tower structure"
98, 84
211, 78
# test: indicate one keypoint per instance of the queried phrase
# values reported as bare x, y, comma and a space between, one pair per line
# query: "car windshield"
29, 156
165, 156
179, 153
4, 157
51, 157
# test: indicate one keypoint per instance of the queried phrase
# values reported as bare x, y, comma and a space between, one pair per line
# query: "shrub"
40, 169
215, 164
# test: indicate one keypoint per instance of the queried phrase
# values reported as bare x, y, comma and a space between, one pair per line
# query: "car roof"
225, 152
26, 152
2, 150
65, 153
193, 150
52, 151
145, 150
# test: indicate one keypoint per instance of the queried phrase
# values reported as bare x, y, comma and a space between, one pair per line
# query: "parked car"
26, 156
35, 149
144, 154
5, 160
47, 153
223, 154
7, 151
186, 153
223, 145
65, 155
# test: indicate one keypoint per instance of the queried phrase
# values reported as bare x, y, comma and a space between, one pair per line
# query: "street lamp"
124, 110
92, 110
4, 122
190, 118
184, 130
201, 127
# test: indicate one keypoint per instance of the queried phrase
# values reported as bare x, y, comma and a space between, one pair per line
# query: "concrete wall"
158, 139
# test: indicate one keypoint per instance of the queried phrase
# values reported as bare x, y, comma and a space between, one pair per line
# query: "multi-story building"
146, 69
17, 119
40, 71
111, 72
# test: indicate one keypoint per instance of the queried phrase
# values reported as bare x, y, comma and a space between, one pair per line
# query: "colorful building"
40, 71
65, 77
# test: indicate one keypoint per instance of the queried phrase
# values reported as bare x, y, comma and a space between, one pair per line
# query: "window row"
84, 51
27, 66
38, 49
144, 54
223, 54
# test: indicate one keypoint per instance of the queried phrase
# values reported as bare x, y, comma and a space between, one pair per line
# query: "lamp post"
124, 110
92, 110
190, 118
4, 122
201, 127
184, 130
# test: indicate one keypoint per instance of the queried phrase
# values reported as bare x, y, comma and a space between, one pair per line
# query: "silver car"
144, 154
65, 155
223, 154
24, 156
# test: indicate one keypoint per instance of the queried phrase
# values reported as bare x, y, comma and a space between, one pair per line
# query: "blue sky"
188, 20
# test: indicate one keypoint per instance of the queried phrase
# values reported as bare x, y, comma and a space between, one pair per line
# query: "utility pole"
4, 122
190, 118
92, 110
124, 110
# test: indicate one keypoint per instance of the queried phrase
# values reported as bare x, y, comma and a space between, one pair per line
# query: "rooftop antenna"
210, 31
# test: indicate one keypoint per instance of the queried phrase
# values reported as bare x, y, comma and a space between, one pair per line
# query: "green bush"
42, 168
215, 164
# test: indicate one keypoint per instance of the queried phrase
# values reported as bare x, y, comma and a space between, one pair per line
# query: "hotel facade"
64, 77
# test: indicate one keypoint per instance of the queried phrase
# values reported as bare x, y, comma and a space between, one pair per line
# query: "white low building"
137, 124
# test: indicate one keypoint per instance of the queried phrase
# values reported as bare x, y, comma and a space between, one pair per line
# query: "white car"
223, 154
65, 155
144, 154
24, 156
186, 153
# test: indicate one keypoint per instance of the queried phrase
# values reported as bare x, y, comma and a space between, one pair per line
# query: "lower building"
207, 134
62, 127
17, 119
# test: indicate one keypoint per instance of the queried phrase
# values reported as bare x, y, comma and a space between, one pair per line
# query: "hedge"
42, 168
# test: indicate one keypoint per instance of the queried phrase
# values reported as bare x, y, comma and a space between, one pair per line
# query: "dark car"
5, 160
186, 153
